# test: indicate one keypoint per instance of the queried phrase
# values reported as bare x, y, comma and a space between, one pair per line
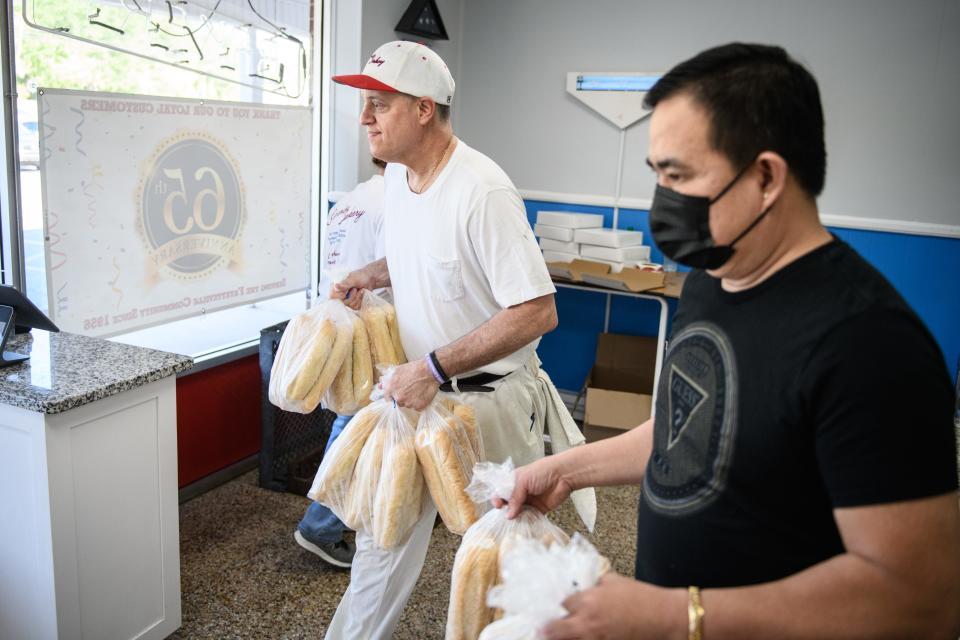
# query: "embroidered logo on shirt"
685, 398
695, 422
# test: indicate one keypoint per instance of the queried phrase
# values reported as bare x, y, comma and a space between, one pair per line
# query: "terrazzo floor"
243, 576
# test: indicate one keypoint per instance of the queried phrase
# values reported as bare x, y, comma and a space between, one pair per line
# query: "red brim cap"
361, 81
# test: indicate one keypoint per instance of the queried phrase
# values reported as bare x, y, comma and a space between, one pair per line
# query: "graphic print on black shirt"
693, 436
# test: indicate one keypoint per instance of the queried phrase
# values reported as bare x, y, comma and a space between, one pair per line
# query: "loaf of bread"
366, 480
381, 344
342, 398
469, 419
394, 327
362, 364
444, 459
342, 344
332, 485
318, 351
398, 504
475, 569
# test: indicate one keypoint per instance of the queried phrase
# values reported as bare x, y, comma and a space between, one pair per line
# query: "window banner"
156, 209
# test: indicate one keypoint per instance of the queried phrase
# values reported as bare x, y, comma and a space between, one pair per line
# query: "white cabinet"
89, 544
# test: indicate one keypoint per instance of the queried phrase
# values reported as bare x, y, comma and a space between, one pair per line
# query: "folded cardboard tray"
628, 279
620, 385
631, 279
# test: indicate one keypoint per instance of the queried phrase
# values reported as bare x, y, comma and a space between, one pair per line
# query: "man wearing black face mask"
800, 468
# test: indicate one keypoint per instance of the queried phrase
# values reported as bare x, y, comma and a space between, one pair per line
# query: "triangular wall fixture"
422, 18
617, 96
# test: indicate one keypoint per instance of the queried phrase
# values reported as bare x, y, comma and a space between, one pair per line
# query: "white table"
657, 297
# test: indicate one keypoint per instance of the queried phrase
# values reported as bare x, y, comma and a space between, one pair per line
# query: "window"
193, 70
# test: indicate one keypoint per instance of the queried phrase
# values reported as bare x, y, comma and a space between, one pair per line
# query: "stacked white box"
614, 238
562, 234
559, 256
569, 219
556, 245
638, 253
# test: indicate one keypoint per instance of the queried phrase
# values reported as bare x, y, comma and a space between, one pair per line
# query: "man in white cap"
472, 293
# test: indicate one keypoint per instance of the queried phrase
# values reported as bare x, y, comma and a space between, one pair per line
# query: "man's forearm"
900, 578
844, 597
621, 460
377, 273
498, 337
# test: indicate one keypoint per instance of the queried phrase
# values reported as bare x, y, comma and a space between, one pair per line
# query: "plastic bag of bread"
383, 331
313, 348
535, 579
353, 384
476, 567
370, 477
448, 447
333, 485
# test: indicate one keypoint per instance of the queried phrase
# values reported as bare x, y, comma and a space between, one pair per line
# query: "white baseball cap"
405, 67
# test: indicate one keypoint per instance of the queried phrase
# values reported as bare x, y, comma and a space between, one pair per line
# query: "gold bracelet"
695, 615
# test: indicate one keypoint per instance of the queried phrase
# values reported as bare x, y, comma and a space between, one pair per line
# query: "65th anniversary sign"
157, 209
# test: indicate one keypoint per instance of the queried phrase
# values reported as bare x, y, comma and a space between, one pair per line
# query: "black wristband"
436, 363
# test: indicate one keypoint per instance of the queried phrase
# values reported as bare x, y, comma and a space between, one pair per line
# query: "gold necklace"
423, 184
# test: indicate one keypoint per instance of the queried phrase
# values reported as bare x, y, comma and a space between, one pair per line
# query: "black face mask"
681, 227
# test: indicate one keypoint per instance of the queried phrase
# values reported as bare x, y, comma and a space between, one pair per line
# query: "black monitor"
18, 313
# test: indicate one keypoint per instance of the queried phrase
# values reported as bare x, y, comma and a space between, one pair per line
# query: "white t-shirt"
354, 232
460, 253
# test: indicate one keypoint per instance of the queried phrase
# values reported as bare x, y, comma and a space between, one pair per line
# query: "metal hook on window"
93, 20
262, 77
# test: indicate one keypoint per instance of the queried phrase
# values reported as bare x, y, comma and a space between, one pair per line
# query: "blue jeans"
319, 524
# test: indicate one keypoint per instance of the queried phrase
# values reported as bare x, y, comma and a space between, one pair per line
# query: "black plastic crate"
291, 444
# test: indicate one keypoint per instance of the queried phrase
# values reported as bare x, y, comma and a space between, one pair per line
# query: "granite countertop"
66, 370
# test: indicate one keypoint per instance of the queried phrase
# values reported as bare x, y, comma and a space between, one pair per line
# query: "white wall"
360, 26
889, 74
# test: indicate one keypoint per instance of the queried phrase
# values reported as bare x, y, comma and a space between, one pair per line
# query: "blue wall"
925, 269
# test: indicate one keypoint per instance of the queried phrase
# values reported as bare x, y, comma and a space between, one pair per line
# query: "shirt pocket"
444, 279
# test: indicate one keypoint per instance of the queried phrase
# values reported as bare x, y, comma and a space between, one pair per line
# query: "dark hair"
758, 99
380, 163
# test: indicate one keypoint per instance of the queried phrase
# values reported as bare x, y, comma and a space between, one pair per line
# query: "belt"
472, 383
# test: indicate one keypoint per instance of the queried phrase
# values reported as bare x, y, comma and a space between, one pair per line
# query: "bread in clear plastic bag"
476, 567
401, 493
353, 384
448, 446
370, 477
334, 480
383, 331
311, 352
535, 580
362, 369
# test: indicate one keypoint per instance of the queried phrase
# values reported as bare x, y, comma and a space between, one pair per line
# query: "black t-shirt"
817, 389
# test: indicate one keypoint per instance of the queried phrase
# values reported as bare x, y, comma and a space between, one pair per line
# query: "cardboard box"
553, 233
615, 267
570, 219
575, 270
556, 245
639, 253
628, 279
608, 237
620, 385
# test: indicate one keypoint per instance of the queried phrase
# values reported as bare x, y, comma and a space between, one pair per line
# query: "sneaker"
339, 554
